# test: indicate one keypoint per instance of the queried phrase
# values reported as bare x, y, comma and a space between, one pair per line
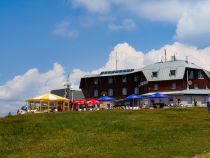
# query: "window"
196, 86
155, 87
136, 78
110, 80
191, 75
207, 87
124, 79
136, 90
189, 100
173, 86
95, 93
110, 92
96, 81
124, 91
200, 75
203, 100
172, 73
155, 74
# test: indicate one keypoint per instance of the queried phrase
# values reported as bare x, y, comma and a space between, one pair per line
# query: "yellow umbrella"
48, 98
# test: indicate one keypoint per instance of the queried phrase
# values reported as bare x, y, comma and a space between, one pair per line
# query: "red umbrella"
79, 102
98, 102
93, 101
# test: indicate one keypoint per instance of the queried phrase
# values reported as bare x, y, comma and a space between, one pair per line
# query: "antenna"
165, 56
68, 88
116, 60
186, 59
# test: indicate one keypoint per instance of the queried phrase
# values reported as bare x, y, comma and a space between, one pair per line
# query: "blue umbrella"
106, 98
158, 95
133, 96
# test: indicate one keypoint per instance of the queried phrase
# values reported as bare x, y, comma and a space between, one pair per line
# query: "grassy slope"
146, 133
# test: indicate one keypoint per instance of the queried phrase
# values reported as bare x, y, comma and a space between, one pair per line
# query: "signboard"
103, 93
143, 83
190, 82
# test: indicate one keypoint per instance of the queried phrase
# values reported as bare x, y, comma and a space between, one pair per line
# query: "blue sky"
27, 38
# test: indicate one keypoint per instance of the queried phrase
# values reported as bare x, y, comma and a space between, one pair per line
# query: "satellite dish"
189, 82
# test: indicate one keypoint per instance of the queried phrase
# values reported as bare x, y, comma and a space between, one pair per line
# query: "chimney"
186, 59
165, 56
173, 58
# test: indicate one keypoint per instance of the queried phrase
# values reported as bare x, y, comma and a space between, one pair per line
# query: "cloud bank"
190, 17
193, 26
127, 24
14, 92
63, 29
32, 83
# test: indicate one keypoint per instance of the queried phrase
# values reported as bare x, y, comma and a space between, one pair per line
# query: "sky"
43, 41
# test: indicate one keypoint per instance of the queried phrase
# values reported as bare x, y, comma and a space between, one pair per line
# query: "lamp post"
69, 88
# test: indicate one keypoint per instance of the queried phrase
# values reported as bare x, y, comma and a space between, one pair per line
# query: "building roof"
91, 75
111, 73
164, 69
207, 73
77, 94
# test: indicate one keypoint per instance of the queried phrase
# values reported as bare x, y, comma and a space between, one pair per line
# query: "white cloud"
129, 57
193, 26
32, 83
163, 10
195, 55
63, 29
127, 24
98, 6
75, 77
191, 17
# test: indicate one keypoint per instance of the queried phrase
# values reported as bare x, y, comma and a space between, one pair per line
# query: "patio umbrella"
79, 102
106, 98
133, 97
49, 98
93, 101
158, 95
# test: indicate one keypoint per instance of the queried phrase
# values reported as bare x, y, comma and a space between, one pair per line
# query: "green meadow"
159, 133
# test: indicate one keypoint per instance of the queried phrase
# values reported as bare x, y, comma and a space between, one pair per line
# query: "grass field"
161, 133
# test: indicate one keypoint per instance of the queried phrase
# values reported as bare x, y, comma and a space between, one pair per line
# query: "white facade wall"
185, 100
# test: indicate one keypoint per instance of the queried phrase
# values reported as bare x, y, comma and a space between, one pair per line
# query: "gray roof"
112, 73
163, 69
77, 94
207, 73
91, 75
